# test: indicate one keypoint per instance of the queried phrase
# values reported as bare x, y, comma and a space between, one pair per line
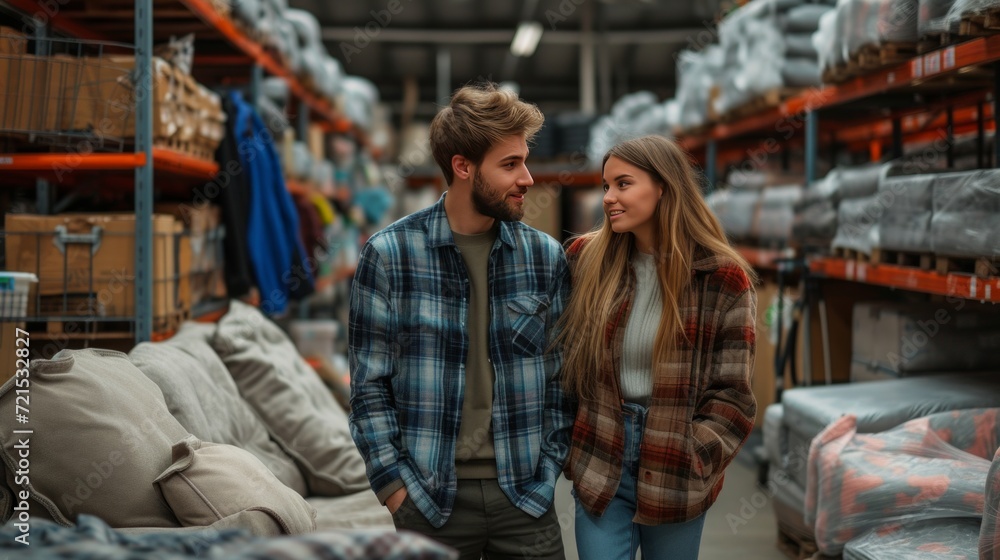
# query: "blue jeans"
614, 536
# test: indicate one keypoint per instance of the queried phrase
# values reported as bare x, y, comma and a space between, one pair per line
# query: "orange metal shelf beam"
913, 279
204, 10
81, 162
164, 160
183, 164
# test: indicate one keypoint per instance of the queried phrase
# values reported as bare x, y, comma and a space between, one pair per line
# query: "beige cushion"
286, 393
102, 434
202, 396
209, 482
358, 510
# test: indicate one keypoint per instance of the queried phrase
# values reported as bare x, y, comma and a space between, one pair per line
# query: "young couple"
478, 374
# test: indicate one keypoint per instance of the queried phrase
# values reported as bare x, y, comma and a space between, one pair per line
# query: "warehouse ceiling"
401, 44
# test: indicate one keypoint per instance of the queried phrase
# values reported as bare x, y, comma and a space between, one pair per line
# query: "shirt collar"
439, 230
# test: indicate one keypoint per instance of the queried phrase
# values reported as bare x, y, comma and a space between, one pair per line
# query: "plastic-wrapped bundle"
288, 44
737, 211
925, 540
740, 179
857, 219
905, 225
273, 116
755, 67
966, 215
831, 37
801, 72
804, 18
914, 472
814, 222
604, 134
801, 45
777, 210
963, 8
697, 73
933, 17
876, 22
360, 97
630, 106
857, 181
334, 77
989, 532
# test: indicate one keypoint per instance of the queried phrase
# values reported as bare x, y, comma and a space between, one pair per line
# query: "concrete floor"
735, 527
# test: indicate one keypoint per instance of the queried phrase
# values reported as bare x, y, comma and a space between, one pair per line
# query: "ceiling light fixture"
526, 38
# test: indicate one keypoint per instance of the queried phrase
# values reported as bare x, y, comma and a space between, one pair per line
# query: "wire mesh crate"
85, 266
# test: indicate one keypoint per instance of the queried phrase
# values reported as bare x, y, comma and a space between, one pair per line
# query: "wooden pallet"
851, 254
934, 41
874, 57
794, 547
923, 261
982, 23
982, 267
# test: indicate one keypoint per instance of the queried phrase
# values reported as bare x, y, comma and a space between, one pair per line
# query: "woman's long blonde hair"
601, 269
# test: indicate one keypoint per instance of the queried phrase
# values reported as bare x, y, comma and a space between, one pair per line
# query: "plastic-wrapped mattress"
928, 468
878, 406
934, 539
989, 532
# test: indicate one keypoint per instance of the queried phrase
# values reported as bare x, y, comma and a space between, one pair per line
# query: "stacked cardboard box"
199, 252
95, 97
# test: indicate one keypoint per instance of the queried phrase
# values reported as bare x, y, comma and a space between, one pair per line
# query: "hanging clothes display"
278, 258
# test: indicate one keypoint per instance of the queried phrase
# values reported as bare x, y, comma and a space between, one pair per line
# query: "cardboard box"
8, 356
90, 260
12, 42
200, 251
24, 103
903, 339
97, 94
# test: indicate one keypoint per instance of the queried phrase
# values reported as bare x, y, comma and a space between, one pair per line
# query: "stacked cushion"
183, 367
101, 434
299, 411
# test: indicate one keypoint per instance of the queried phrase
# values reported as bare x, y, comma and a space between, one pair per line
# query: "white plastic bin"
14, 290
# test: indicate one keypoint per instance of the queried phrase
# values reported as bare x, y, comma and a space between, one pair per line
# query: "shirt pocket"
527, 321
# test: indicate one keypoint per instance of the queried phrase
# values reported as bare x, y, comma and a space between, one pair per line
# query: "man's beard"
490, 203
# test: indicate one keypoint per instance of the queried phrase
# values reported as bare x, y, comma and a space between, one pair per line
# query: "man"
455, 396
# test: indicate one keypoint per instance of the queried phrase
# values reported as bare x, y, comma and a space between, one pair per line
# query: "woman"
659, 345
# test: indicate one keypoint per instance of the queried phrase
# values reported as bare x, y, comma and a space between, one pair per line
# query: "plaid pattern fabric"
701, 411
407, 350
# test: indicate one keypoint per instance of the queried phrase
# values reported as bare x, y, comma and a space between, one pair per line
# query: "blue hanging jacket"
276, 250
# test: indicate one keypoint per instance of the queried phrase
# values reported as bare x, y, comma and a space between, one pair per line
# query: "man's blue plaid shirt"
408, 345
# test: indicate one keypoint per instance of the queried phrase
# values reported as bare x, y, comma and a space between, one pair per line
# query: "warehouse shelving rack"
943, 93
124, 18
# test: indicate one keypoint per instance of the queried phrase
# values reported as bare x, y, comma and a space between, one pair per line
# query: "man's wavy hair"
477, 118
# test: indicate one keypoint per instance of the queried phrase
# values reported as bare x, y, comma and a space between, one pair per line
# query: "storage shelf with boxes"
81, 97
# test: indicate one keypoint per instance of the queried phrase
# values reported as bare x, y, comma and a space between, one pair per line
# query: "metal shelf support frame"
144, 173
